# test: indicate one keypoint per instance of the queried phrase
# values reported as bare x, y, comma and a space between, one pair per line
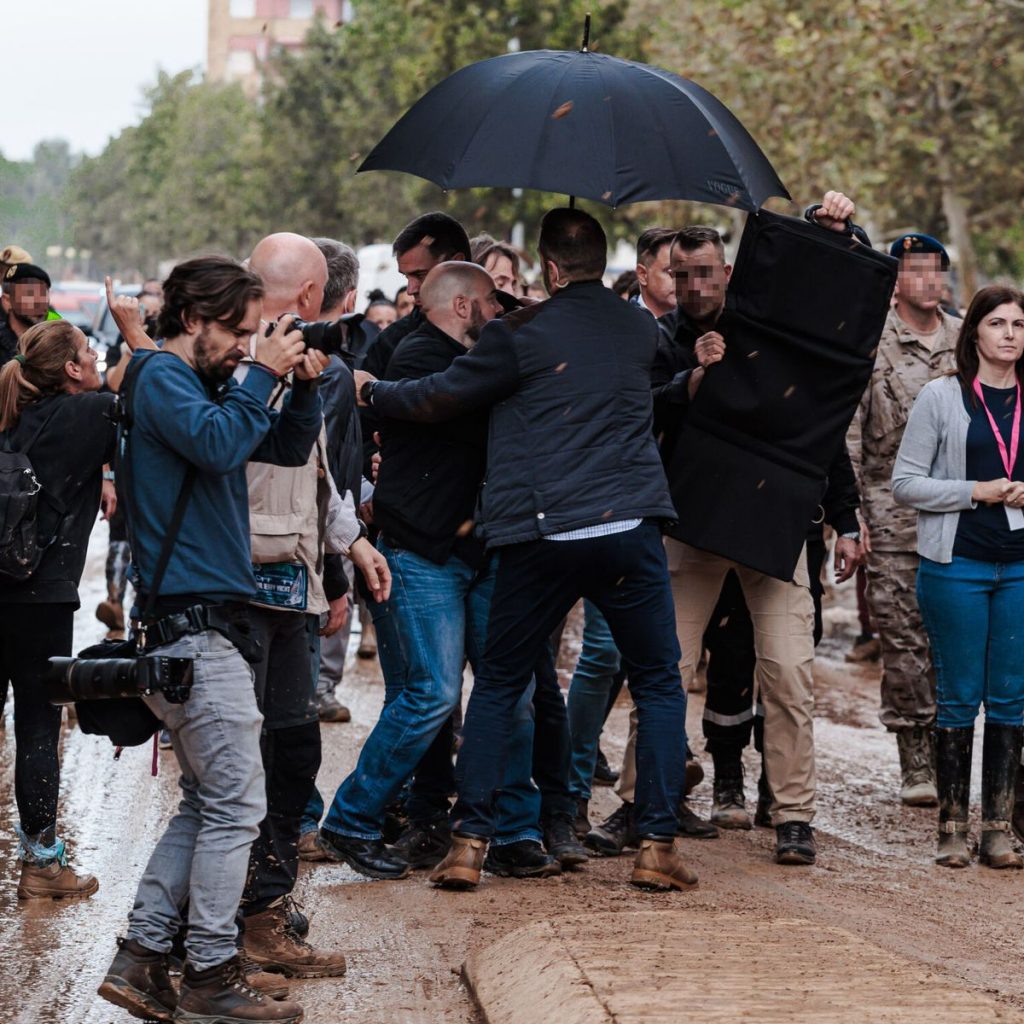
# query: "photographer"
186, 411
50, 412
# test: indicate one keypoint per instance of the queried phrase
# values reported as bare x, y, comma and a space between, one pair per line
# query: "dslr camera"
104, 678
327, 336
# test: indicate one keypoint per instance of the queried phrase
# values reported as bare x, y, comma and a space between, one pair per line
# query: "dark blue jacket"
177, 422
570, 441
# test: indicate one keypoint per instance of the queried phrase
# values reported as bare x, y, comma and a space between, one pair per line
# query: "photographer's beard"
216, 363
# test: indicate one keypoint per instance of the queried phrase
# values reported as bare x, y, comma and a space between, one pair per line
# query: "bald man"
296, 518
424, 504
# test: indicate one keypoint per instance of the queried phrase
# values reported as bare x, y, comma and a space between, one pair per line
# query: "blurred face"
149, 305
29, 302
1001, 335
219, 348
502, 273
403, 305
382, 315
701, 278
82, 373
920, 281
657, 284
415, 265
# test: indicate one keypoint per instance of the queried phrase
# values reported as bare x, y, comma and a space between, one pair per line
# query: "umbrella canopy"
583, 124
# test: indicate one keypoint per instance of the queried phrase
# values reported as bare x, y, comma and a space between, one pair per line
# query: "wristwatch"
854, 536
366, 392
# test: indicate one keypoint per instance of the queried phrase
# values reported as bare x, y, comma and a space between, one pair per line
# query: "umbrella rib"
537, 156
611, 126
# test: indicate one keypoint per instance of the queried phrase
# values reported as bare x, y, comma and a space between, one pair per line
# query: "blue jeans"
439, 614
626, 577
974, 614
588, 697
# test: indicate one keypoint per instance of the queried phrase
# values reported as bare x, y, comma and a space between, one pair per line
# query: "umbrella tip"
585, 48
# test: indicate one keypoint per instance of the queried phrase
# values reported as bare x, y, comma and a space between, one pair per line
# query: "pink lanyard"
1009, 460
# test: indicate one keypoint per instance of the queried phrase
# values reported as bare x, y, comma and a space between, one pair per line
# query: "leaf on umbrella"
789, 391
560, 367
606, 195
752, 355
564, 109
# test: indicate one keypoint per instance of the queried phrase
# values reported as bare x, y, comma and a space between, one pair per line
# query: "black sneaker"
524, 859
561, 842
794, 843
604, 774
424, 846
614, 834
691, 826
369, 857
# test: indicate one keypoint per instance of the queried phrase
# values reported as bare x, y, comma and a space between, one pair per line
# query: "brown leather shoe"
659, 866
270, 985
462, 865
271, 941
111, 614
311, 849
221, 993
53, 881
138, 982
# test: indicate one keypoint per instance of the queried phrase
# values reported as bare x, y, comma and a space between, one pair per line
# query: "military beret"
14, 254
18, 272
914, 243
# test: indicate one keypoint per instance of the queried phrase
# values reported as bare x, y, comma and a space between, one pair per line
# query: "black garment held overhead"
804, 312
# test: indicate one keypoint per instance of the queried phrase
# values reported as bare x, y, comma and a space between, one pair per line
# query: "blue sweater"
176, 422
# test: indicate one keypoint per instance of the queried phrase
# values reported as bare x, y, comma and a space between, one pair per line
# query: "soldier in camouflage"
916, 346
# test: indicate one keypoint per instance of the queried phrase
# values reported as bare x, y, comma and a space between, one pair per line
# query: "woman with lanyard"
959, 464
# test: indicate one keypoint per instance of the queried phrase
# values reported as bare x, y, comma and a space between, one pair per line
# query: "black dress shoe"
370, 857
693, 827
524, 859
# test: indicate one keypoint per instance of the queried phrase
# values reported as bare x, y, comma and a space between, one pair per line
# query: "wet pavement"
406, 942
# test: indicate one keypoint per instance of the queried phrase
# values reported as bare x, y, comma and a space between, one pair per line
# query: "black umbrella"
583, 124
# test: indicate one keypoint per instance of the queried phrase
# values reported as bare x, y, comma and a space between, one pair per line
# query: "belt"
230, 621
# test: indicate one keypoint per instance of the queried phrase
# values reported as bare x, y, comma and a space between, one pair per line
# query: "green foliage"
31, 199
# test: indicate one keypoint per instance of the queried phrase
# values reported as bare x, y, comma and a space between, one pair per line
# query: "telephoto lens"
74, 679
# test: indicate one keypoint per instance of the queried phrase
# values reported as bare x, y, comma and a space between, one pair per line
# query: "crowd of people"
468, 461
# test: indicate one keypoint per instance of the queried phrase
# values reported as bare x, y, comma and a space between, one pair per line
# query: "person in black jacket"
49, 409
573, 499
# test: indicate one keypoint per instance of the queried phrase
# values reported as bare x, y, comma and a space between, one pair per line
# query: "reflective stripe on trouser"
783, 617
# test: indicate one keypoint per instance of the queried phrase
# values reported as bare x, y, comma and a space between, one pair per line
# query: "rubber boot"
953, 763
999, 761
917, 767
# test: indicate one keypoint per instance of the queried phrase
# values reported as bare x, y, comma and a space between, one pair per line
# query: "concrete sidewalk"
690, 966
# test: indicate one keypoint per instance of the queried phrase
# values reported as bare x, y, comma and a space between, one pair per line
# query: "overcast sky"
75, 69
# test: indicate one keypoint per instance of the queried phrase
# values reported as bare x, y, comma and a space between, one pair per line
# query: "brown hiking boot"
461, 866
222, 994
659, 866
270, 985
274, 944
53, 881
138, 982
311, 849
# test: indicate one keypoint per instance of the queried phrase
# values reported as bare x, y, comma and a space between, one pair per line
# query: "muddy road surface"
406, 942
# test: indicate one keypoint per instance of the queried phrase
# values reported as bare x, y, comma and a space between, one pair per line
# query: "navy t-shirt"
983, 533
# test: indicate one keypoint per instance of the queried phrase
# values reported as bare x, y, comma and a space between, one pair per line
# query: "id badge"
1014, 517
283, 585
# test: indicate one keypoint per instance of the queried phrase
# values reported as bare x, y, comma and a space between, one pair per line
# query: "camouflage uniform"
902, 367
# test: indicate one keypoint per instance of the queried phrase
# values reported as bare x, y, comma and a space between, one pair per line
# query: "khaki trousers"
783, 618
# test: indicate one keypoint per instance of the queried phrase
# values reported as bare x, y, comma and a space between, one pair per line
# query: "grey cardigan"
931, 465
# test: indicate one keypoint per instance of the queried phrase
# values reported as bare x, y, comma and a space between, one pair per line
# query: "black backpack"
21, 548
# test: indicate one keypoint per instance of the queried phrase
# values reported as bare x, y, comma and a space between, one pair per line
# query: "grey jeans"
203, 855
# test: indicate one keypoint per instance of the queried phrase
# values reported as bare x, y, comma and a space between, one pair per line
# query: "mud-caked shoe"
312, 850
692, 825
54, 881
614, 834
996, 850
728, 804
953, 849
271, 985
917, 767
794, 843
274, 944
221, 994
330, 709
562, 843
659, 865
523, 859
137, 981
370, 857
462, 864
424, 845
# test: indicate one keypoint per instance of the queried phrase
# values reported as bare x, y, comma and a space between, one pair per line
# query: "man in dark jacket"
25, 301
424, 504
573, 496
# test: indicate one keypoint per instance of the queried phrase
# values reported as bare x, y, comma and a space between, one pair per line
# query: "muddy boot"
272, 986
692, 825
953, 762
999, 761
463, 863
581, 821
658, 865
222, 994
138, 982
614, 834
274, 944
917, 767
312, 850
561, 841
729, 805
424, 845
765, 799
1017, 817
